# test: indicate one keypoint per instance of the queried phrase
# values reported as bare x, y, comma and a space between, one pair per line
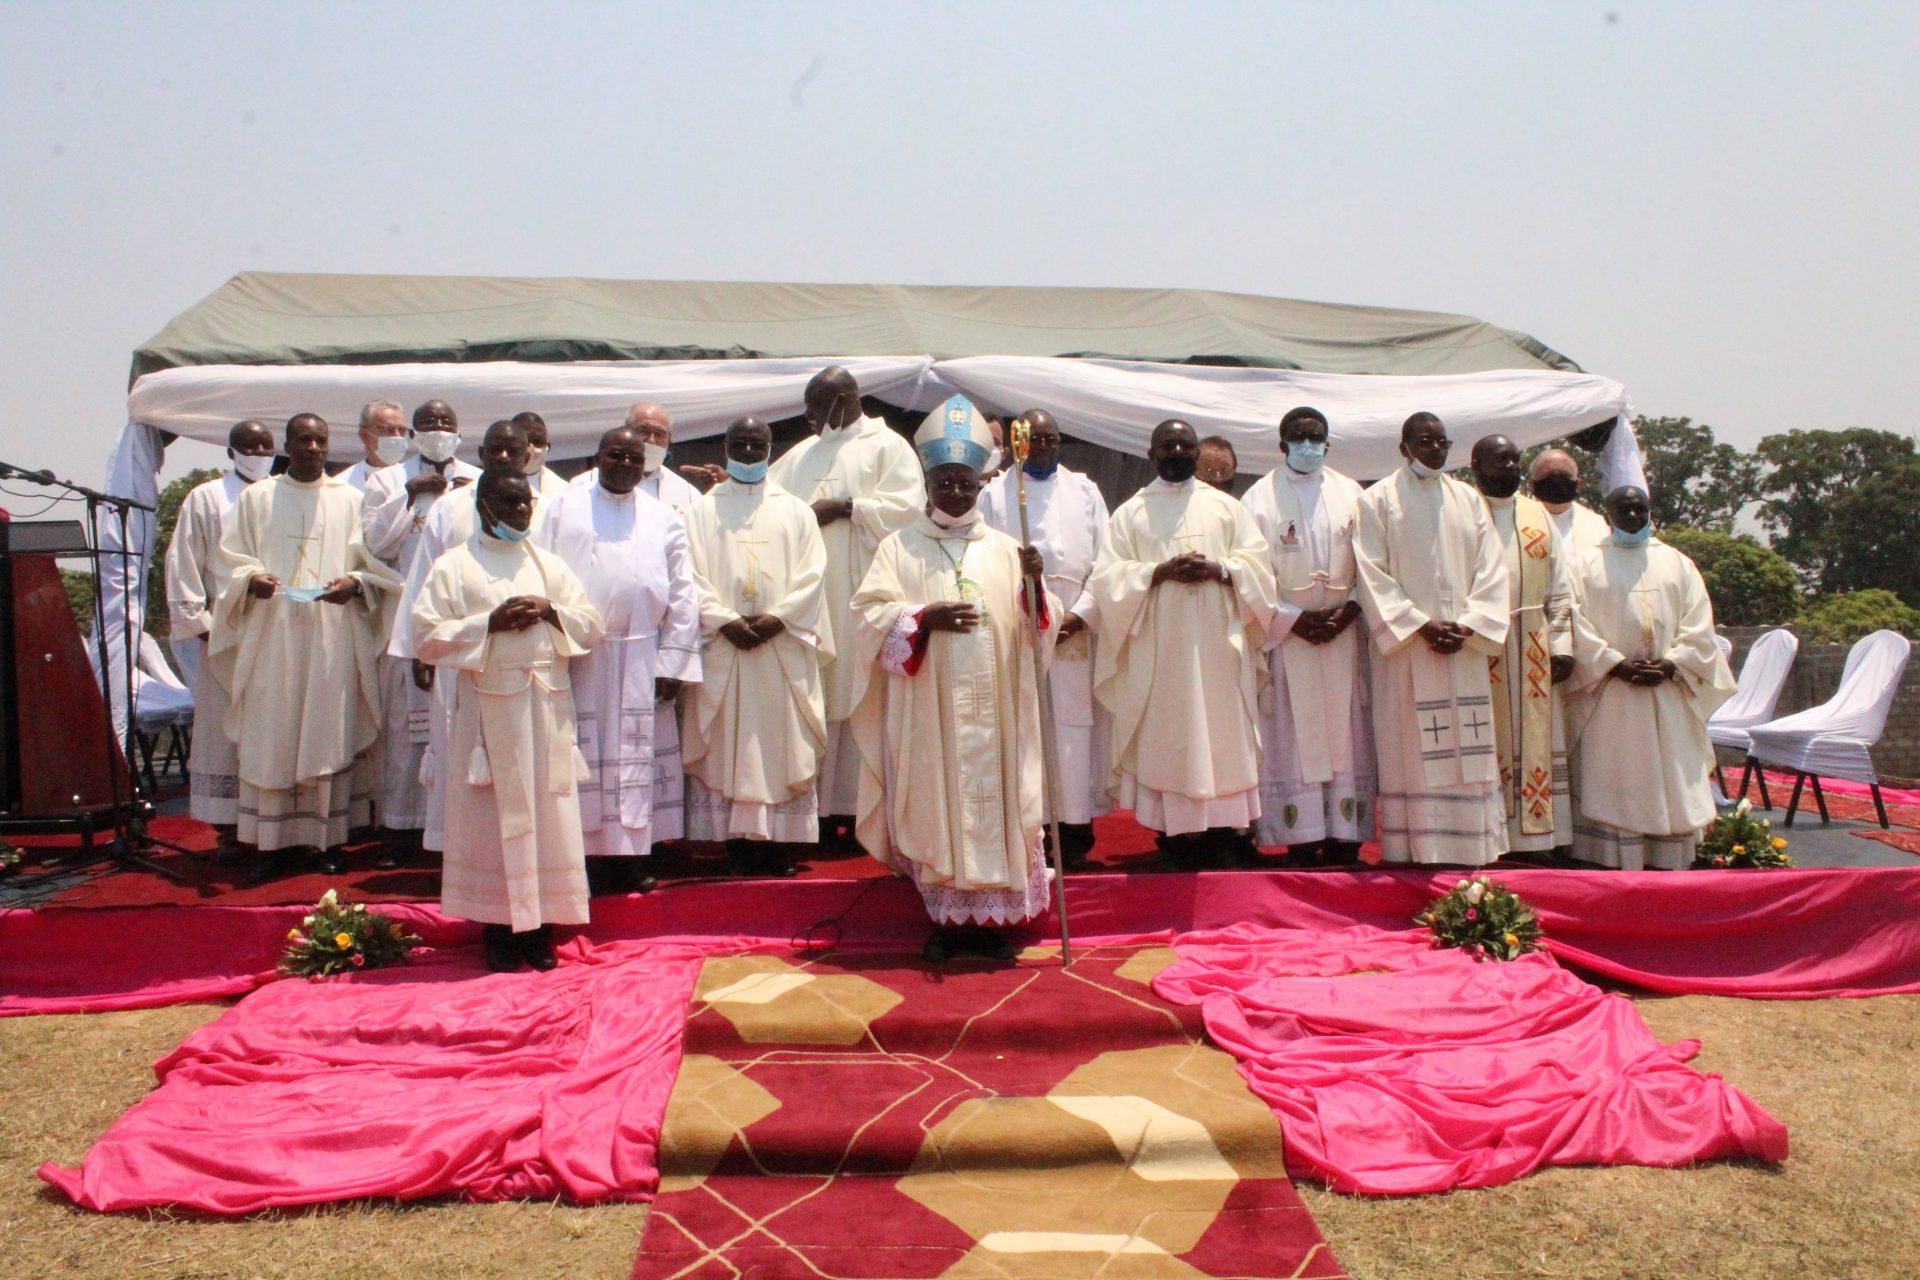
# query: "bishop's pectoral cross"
750, 589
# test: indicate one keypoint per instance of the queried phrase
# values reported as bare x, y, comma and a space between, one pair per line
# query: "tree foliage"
166, 516
1751, 586
1694, 480
1842, 619
1837, 503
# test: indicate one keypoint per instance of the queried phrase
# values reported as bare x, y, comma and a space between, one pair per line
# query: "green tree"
1751, 586
166, 516
1842, 619
1832, 500
1694, 480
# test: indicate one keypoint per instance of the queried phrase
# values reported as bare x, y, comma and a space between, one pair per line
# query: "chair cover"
1762, 676
1835, 738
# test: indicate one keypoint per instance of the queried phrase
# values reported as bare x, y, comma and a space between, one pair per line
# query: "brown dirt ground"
1843, 1074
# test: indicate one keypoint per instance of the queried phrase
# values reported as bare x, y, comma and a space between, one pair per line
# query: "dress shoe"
497, 940
267, 866
940, 946
536, 948
387, 859
333, 862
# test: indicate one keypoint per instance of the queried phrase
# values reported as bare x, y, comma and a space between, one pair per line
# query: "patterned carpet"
865, 1116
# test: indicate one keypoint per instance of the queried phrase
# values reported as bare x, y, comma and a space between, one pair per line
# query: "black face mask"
1502, 487
1175, 469
1556, 487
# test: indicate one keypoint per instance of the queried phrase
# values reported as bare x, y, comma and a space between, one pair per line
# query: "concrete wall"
1816, 674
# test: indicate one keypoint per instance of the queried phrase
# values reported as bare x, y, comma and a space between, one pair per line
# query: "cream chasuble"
1426, 551
1642, 759
948, 725
193, 587
630, 551
1529, 727
754, 727
1580, 527
1179, 665
868, 462
302, 673
1067, 520
514, 853
1317, 778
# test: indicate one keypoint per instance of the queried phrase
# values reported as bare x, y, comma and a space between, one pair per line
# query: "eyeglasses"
969, 485
622, 458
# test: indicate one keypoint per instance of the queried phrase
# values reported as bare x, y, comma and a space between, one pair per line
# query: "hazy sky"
1716, 204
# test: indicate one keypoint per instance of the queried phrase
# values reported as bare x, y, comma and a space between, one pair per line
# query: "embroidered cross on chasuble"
1526, 774
307, 540
1455, 717
752, 573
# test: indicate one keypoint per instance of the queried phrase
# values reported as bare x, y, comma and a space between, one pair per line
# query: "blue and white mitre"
955, 432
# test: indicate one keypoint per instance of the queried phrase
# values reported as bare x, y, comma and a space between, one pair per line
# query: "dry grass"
1843, 1074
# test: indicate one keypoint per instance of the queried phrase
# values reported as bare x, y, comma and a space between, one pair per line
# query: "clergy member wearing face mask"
754, 728
193, 586
545, 482
1318, 780
383, 441
1185, 592
1554, 479
1644, 687
1434, 591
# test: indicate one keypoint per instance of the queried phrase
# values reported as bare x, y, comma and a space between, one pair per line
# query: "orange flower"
343, 940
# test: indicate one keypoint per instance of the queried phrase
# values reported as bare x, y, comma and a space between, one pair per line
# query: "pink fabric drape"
1395, 1068
436, 1079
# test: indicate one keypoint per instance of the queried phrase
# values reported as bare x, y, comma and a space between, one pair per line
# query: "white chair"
1836, 738
1762, 676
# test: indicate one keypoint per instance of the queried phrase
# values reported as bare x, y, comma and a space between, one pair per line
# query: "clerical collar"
1497, 502
611, 496
1159, 485
835, 433
304, 484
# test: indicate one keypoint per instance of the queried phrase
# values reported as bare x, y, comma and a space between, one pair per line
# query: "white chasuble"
948, 724
630, 551
1067, 520
1529, 726
193, 588
1318, 779
867, 462
1426, 551
301, 673
1179, 665
755, 726
1580, 527
1642, 759
514, 853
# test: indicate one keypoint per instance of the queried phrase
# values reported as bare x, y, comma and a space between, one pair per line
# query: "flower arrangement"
1738, 839
1484, 919
9, 858
339, 937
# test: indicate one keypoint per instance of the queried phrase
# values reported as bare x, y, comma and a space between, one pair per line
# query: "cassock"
664, 484
1179, 664
867, 462
193, 588
1580, 527
393, 525
755, 725
1529, 725
1642, 757
514, 854
1067, 520
948, 725
1318, 780
1426, 551
360, 472
302, 673
630, 552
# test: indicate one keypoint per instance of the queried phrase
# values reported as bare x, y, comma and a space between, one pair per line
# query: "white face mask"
652, 457
251, 467
436, 446
388, 450
1424, 471
994, 457
946, 521
536, 460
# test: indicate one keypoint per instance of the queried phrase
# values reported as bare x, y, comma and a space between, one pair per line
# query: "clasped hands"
751, 630
264, 586
1646, 673
1445, 637
520, 612
1189, 567
1319, 626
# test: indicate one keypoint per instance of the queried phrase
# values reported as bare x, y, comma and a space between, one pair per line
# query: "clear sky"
1716, 204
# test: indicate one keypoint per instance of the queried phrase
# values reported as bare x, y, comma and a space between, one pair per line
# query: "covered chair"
1762, 676
1836, 738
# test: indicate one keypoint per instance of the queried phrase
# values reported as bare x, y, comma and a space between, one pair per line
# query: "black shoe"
497, 941
333, 862
776, 861
989, 944
267, 867
389, 855
940, 947
536, 948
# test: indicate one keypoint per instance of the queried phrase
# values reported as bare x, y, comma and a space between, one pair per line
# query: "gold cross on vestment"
300, 561
1187, 537
1643, 610
750, 589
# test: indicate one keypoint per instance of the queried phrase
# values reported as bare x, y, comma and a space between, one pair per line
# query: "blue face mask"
506, 533
747, 472
1037, 474
1621, 538
1306, 456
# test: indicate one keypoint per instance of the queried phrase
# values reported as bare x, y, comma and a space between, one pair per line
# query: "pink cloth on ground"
1425, 1070
433, 1079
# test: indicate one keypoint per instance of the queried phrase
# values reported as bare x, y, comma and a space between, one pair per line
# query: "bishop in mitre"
508, 619
863, 483
295, 642
1185, 593
947, 710
1644, 689
1433, 587
755, 726
1318, 780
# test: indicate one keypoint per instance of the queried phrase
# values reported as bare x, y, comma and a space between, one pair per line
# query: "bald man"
658, 481
383, 441
1554, 479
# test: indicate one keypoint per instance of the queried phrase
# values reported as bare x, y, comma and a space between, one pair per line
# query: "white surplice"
193, 587
1179, 665
755, 726
1318, 779
1642, 758
1529, 718
514, 854
868, 462
947, 724
301, 673
1067, 520
1426, 551
630, 551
